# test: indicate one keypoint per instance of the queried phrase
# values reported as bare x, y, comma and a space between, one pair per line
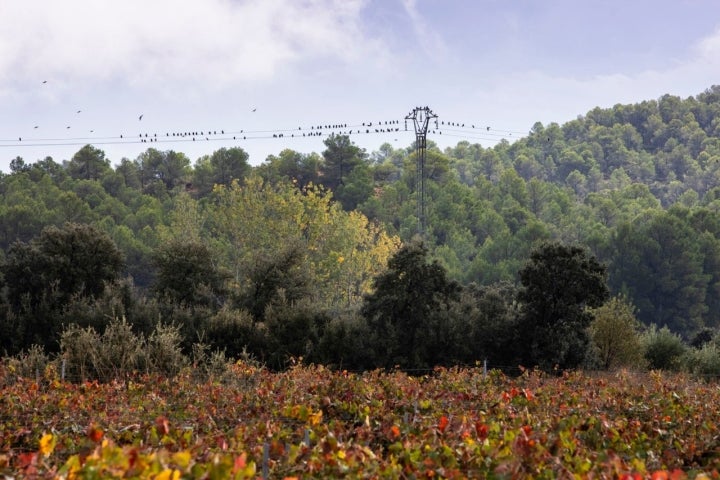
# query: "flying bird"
254, 109
36, 126
79, 111
44, 81
140, 117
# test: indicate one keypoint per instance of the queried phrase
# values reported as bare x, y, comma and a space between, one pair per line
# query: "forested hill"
636, 184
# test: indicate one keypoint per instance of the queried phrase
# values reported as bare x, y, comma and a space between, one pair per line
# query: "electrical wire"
382, 127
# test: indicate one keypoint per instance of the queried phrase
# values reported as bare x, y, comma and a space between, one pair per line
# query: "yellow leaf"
47, 444
316, 418
250, 470
168, 474
182, 459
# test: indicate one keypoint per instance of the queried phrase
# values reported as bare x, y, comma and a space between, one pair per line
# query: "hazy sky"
205, 65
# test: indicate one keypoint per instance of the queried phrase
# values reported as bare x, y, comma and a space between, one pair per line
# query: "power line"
364, 128
480, 127
459, 130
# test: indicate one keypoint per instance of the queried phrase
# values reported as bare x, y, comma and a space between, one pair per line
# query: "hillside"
636, 184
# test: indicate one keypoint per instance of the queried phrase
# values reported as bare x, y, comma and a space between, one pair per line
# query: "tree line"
247, 257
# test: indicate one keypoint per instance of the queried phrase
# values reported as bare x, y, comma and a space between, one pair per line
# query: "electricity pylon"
421, 117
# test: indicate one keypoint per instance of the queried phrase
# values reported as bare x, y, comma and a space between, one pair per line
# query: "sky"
108, 73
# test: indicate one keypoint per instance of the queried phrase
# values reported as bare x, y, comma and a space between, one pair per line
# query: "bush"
119, 352
615, 341
234, 332
294, 330
213, 366
12, 330
703, 361
78, 348
346, 344
117, 299
31, 363
663, 349
163, 352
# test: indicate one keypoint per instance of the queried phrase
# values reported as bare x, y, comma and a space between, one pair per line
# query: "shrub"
234, 331
703, 361
345, 344
614, 335
213, 366
662, 349
294, 330
119, 352
163, 352
30, 363
78, 348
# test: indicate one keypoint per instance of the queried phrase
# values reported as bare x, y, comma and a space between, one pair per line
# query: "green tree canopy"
89, 163
221, 168
558, 283
292, 166
75, 259
187, 274
53, 269
405, 311
659, 264
341, 157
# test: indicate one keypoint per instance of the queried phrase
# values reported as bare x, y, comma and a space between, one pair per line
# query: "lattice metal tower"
421, 117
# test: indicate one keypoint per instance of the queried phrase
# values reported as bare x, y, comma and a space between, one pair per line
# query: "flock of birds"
449, 128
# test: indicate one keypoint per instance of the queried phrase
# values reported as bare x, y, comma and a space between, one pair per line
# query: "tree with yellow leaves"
256, 224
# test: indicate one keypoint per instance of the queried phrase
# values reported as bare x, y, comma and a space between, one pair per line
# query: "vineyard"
310, 422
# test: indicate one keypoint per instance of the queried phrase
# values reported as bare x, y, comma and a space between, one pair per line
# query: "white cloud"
430, 41
708, 49
215, 43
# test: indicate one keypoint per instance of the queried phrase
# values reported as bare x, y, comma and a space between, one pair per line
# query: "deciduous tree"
615, 334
